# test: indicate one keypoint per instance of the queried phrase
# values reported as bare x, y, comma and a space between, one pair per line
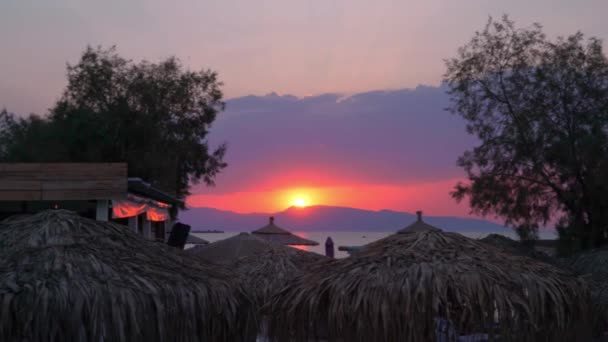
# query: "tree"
154, 116
540, 111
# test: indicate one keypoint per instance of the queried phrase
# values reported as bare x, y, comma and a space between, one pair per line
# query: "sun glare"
299, 202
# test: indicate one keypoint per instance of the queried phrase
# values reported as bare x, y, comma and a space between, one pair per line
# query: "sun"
299, 202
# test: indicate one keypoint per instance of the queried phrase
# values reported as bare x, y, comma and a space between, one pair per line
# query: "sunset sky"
341, 139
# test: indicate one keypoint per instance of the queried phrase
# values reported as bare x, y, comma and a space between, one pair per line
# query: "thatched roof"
419, 226
593, 262
263, 267
267, 271
228, 250
515, 247
503, 242
195, 240
272, 232
594, 265
67, 278
395, 288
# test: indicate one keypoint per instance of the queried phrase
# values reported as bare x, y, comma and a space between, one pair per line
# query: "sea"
343, 238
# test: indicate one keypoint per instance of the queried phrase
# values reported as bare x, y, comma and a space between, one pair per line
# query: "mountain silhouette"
328, 218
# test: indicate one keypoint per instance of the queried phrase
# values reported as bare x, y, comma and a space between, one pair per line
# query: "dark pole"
329, 247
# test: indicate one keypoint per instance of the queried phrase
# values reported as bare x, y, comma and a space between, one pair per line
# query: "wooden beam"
62, 181
103, 208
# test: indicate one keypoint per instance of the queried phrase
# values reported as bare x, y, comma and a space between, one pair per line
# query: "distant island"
329, 218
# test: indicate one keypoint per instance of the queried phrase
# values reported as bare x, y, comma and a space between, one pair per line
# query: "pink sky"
288, 46
294, 47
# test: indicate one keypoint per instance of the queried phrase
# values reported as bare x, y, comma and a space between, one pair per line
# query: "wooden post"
103, 207
168, 226
147, 229
133, 223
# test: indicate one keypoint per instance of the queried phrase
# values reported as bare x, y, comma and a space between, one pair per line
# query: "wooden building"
95, 190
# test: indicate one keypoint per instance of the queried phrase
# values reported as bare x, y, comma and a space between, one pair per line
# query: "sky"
374, 150
302, 48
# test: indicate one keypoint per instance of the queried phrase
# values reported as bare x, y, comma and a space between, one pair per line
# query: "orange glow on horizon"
432, 197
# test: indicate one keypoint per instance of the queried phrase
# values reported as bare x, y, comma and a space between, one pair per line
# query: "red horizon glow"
431, 197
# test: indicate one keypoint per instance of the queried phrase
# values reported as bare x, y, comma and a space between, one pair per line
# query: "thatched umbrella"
262, 267
419, 226
514, 247
228, 250
416, 227
593, 264
272, 232
396, 288
266, 271
67, 278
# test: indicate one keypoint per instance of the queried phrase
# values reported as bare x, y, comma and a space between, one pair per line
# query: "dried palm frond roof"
419, 226
267, 271
68, 278
599, 297
263, 267
230, 249
395, 288
515, 247
594, 265
503, 242
593, 262
272, 232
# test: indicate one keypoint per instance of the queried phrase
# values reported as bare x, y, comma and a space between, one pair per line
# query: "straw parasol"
593, 262
396, 288
511, 246
272, 232
262, 267
594, 265
266, 271
419, 226
228, 250
68, 278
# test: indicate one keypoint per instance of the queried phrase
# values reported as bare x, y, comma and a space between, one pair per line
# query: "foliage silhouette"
540, 110
154, 116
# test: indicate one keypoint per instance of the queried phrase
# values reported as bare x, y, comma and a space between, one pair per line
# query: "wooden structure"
273, 233
62, 181
101, 191
84, 187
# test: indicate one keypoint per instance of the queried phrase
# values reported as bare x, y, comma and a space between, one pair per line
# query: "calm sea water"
349, 238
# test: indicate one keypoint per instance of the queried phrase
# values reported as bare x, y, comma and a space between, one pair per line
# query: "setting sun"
299, 202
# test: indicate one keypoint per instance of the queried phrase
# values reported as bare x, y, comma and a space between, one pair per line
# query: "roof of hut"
418, 226
594, 265
599, 297
267, 271
502, 241
272, 232
230, 249
515, 247
593, 262
68, 278
395, 288
195, 240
